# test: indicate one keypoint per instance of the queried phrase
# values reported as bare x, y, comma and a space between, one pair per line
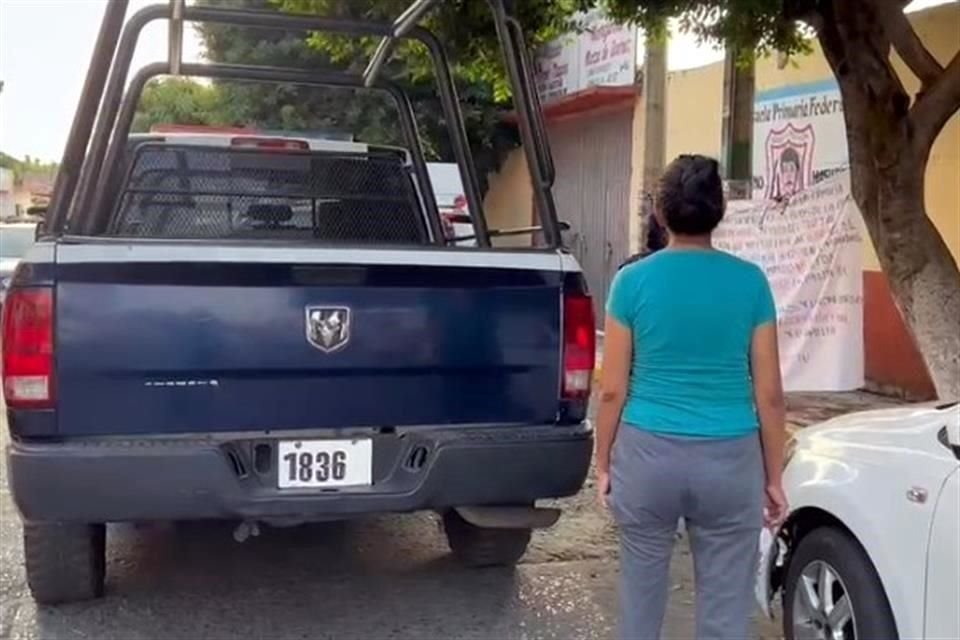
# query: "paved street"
387, 577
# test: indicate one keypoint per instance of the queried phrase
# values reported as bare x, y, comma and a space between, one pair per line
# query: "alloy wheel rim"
822, 609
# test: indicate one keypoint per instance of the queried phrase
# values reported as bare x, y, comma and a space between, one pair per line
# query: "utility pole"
654, 124
737, 128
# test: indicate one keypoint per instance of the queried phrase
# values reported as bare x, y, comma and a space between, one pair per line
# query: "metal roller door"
593, 155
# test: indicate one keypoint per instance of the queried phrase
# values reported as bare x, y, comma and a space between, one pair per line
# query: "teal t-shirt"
692, 313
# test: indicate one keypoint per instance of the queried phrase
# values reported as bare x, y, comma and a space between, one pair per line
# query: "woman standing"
691, 420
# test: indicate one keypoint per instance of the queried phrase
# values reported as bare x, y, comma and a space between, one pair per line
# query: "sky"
45, 46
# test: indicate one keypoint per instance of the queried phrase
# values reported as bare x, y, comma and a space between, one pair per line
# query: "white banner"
604, 54
799, 138
810, 247
558, 68
608, 52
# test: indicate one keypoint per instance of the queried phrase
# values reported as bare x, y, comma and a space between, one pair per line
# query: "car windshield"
14, 241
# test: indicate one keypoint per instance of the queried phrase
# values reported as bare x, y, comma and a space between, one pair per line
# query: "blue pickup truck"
274, 330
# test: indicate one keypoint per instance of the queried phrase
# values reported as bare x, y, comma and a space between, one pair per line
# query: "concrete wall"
634, 225
694, 111
939, 29
509, 200
695, 107
892, 359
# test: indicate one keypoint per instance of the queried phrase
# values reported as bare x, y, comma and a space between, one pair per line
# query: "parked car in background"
15, 239
871, 548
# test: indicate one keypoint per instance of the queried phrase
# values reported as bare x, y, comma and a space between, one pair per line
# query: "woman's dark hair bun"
697, 175
691, 195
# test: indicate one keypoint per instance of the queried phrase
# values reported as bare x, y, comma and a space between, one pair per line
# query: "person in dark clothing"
655, 240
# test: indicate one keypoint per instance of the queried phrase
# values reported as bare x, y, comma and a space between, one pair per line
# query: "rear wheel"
833, 591
64, 562
478, 547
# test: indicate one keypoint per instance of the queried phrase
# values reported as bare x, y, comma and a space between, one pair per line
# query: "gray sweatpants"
716, 486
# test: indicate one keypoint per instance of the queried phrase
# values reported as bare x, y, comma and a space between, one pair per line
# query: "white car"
15, 239
871, 549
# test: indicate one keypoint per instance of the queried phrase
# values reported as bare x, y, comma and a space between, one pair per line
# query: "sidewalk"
804, 409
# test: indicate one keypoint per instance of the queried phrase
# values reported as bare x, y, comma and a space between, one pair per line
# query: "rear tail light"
579, 345
28, 348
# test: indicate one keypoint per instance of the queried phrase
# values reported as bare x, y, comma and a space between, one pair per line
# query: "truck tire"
830, 555
65, 562
477, 547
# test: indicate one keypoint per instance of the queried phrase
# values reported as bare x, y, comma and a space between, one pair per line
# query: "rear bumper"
114, 480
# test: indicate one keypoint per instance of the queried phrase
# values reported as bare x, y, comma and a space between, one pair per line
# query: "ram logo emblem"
328, 328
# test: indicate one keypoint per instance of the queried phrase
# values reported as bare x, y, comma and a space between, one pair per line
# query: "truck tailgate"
160, 338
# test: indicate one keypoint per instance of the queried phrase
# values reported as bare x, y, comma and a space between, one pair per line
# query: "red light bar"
198, 128
271, 144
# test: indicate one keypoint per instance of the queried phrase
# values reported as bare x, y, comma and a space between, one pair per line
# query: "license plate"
303, 464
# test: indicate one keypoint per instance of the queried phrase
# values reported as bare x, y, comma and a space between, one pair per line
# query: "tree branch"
834, 50
935, 106
908, 44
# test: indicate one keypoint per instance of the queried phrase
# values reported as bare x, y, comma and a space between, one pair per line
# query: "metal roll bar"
401, 26
79, 192
530, 120
124, 120
76, 146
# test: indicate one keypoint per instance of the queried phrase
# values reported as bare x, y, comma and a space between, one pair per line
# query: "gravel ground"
381, 578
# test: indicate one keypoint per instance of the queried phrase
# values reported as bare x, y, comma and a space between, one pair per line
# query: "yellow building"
694, 111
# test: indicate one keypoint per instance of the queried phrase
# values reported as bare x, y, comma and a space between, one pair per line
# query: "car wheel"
833, 591
478, 547
64, 562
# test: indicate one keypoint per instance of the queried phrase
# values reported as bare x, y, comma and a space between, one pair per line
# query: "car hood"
913, 427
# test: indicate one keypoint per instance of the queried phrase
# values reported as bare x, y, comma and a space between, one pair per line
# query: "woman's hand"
603, 488
775, 507
617, 356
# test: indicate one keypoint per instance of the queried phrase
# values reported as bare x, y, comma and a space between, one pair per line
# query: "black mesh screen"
179, 191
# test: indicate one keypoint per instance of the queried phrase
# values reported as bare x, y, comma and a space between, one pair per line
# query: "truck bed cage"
105, 113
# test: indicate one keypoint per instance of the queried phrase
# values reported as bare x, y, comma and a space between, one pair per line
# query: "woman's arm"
617, 357
771, 409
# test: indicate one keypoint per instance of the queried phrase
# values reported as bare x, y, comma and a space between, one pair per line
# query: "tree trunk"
923, 275
887, 173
